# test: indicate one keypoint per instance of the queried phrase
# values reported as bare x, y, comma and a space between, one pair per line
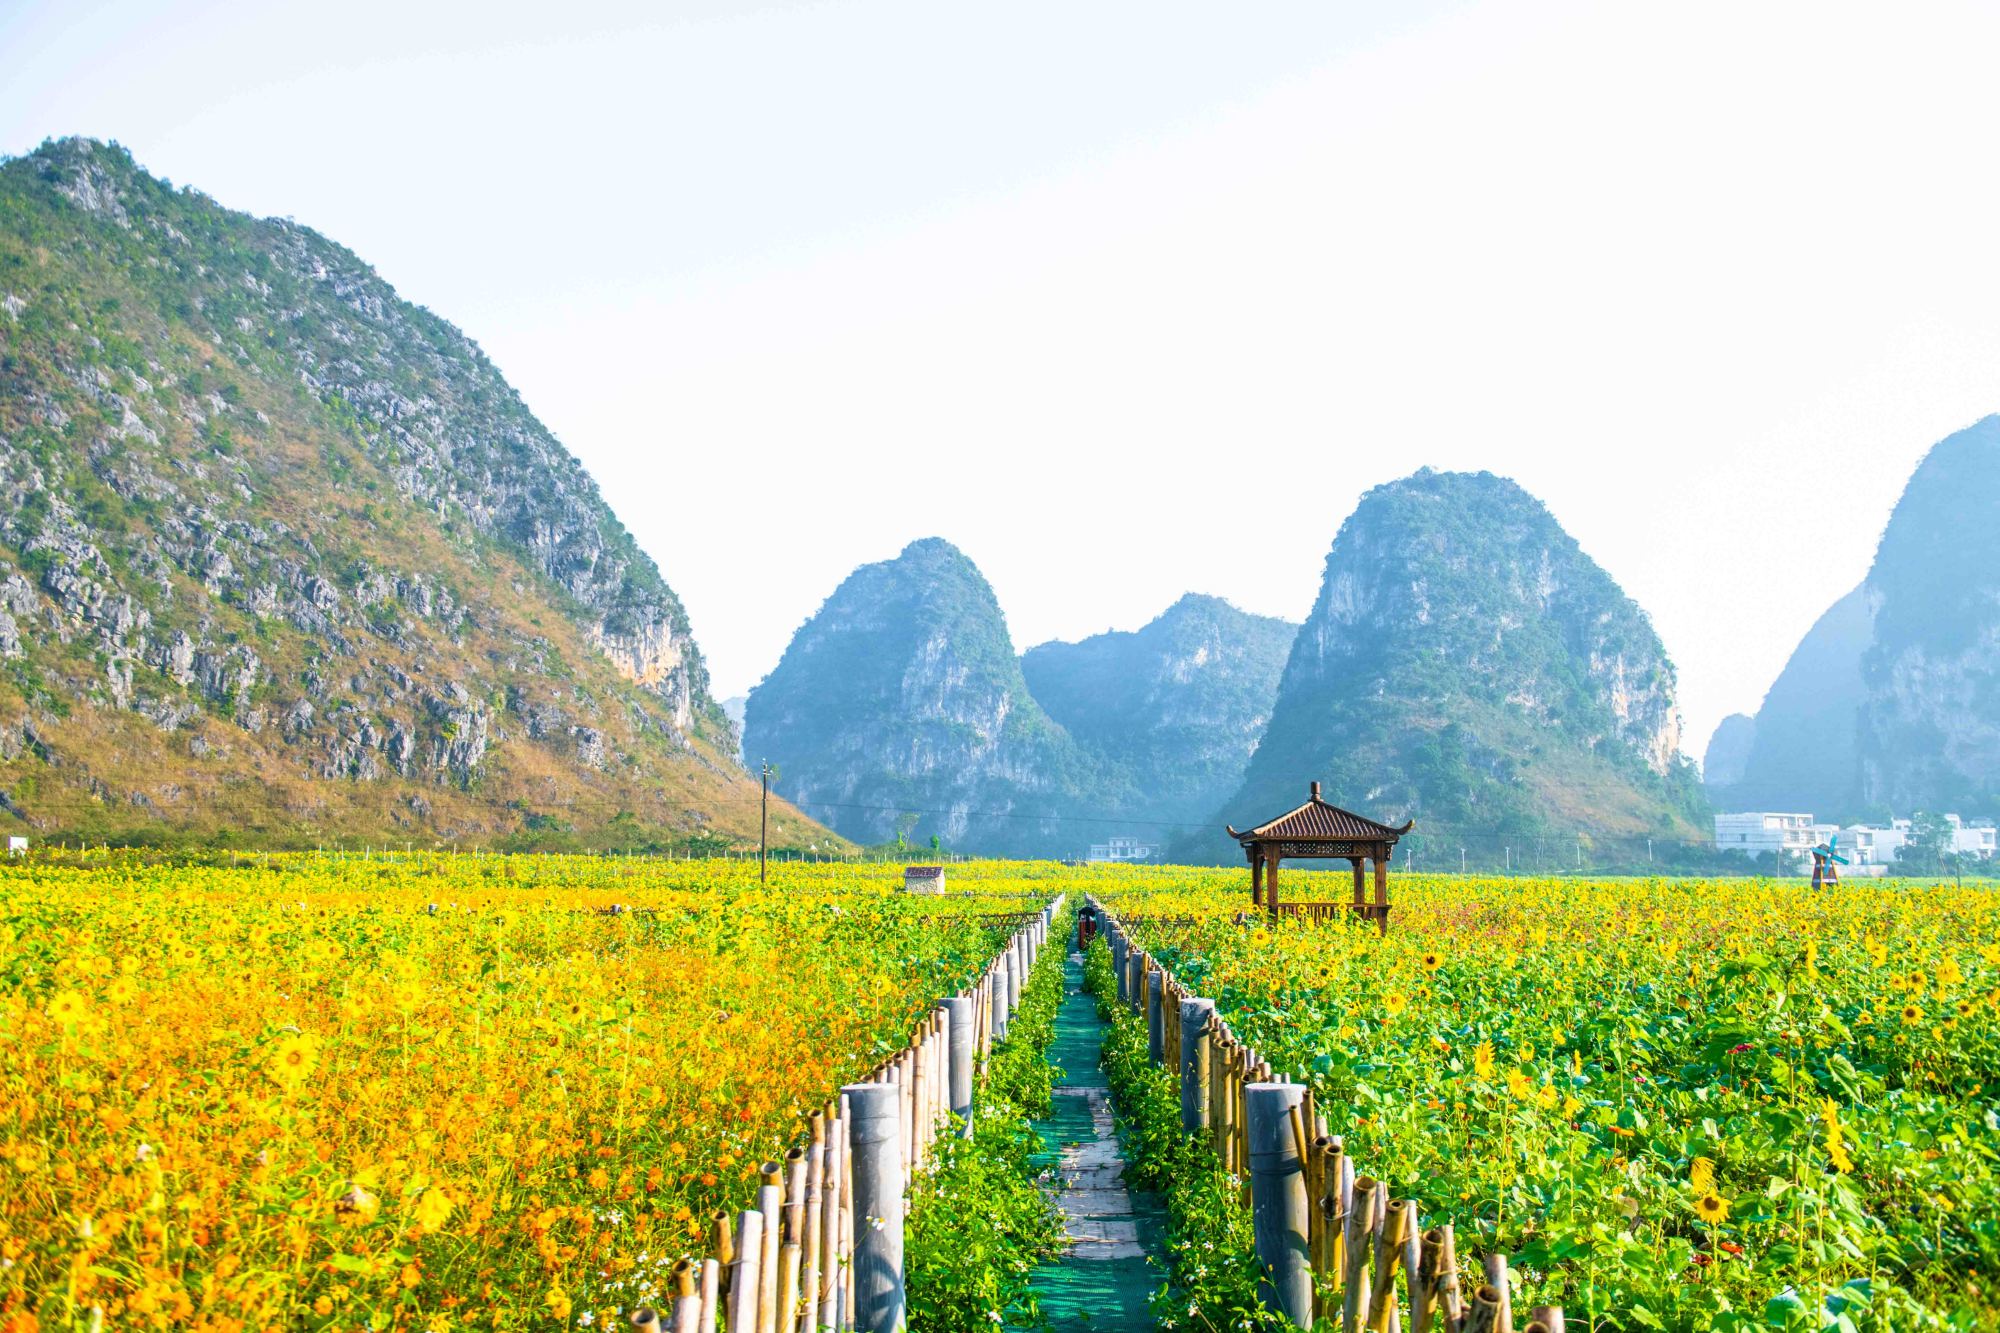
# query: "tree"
1930, 847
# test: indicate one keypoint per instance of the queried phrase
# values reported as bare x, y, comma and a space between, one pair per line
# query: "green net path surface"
1105, 1277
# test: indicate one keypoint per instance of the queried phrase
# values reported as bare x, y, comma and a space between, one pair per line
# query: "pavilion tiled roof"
1320, 819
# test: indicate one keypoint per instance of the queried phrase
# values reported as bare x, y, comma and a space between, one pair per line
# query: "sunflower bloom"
1712, 1208
1836, 1147
294, 1059
1701, 1175
1482, 1059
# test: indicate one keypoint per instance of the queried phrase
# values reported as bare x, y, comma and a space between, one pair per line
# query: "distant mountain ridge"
1802, 745
283, 556
1930, 722
1177, 705
900, 707
1466, 664
1891, 702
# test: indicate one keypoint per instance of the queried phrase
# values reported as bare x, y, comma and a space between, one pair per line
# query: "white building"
1123, 849
1762, 831
1976, 839
1865, 845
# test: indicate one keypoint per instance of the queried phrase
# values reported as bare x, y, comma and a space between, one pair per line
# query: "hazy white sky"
1135, 299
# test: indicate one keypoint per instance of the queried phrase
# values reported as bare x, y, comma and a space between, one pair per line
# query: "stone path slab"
1104, 1280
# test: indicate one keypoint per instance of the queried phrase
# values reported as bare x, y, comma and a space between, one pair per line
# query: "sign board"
17, 846
923, 879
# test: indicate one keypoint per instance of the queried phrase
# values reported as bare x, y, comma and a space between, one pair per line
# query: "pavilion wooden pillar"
1271, 879
1382, 889
1359, 880
1256, 876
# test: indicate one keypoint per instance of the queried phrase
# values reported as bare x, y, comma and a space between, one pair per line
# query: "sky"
1135, 299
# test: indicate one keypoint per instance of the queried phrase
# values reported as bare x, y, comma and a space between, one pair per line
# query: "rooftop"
1318, 819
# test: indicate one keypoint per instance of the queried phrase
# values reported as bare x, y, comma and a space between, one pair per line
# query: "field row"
430, 1092
1675, 1104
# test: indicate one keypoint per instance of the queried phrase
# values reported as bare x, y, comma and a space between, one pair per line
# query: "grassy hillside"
283, 557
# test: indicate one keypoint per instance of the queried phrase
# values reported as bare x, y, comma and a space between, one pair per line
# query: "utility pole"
764, 826
1461, 860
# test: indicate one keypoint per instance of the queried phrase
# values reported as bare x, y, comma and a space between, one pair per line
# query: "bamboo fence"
787, 1265
1357, 1238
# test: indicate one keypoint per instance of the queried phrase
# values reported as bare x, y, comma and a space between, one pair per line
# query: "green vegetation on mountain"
284, 558
1467, 665
1177, 705
1930, 722
900, 707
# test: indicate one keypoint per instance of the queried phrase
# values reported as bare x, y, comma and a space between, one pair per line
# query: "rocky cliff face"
1176, 706
1466, 664
1930, 719
269, 528
900, 706
1801, 752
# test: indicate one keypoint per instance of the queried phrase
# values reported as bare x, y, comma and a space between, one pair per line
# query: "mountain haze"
1177, 705
1891, 702
1930, 721
900, 706
284, 556
1467, 665
1802, 752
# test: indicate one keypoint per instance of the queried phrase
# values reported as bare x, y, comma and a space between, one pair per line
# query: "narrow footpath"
1103, 1281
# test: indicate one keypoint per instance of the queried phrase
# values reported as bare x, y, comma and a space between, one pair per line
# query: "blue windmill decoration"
1825, 857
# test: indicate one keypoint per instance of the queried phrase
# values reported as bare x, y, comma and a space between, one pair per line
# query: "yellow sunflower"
294, 1058
67, 1007
1712, 1208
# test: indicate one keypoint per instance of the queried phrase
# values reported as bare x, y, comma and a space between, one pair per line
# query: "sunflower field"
427, 1092
1676, 1104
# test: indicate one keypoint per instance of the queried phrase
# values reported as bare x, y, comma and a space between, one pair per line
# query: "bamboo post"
1357, 1239
1195, 1017
959, 1013
1547, 1319
878, 1209
1411, 1235
796, 1226
746, 1283
1496, 1277
644, 1320
685, 1277
999, 988
1156, 1029
814, 1223
711, 1294
1388, 1254
724, 1245
832, 1188
1484, 1314
1278, 1202
771, 1203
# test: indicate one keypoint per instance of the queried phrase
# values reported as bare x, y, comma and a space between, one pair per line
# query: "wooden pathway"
1105, 1280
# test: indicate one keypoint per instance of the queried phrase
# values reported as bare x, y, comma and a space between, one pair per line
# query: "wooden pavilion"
1318, 829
